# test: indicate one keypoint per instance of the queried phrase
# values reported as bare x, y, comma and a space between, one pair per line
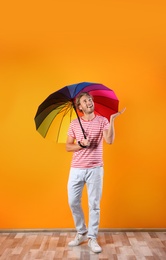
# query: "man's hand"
117, 114
85, 142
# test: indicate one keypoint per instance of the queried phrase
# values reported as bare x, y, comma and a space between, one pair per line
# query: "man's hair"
80, 95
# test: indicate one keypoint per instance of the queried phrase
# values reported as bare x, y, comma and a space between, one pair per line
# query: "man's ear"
80, 108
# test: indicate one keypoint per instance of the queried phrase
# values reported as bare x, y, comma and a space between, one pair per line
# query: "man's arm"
109, 134
71, 146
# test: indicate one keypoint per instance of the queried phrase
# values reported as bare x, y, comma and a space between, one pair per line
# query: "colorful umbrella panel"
57, 111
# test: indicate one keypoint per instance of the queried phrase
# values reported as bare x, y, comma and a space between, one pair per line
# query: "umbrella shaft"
83, 131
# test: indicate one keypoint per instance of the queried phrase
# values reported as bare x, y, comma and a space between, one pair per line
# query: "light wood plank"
54, 245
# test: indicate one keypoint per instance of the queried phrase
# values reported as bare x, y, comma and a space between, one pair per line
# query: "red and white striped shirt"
92, 156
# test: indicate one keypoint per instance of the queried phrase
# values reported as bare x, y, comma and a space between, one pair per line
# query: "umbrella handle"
83, 131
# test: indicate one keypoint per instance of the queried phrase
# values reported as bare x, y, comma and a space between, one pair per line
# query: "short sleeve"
70, 130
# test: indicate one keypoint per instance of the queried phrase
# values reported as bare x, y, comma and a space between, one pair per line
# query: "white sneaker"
79, 238
92, 243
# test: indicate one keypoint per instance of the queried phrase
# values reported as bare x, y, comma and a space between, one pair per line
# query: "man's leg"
94, 181
75, 187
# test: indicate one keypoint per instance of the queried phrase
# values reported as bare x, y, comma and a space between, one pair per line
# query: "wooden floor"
54, 245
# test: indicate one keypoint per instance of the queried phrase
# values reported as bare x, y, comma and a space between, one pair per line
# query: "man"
87, 167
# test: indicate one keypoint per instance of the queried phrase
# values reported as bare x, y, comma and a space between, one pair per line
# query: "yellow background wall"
45, 45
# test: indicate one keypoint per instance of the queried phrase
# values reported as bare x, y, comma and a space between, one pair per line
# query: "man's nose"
89, 102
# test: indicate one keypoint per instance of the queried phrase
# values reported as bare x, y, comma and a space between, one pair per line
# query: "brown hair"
80, 95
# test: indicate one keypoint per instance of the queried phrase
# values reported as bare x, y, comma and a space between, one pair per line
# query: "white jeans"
93, 178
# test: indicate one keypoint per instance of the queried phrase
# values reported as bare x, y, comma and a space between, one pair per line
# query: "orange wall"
47, 45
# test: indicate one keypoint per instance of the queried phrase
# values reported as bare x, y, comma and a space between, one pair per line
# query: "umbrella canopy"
57, 111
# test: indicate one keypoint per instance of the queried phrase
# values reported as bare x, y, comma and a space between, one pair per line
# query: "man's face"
86, 104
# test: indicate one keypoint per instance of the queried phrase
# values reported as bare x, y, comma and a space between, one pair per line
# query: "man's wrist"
81, 145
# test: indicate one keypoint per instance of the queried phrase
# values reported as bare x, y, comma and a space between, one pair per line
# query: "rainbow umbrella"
57, 111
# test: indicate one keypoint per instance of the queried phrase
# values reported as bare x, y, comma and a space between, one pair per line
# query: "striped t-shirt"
91, 156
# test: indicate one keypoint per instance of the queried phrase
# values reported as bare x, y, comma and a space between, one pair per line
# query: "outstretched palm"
118, 113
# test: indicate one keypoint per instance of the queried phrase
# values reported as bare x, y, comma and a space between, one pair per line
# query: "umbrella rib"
102, 104
76, 89
53, 120
113, 98
68, 108
81, 89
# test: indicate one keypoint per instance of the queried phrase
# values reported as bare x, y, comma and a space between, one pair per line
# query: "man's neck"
88, 117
